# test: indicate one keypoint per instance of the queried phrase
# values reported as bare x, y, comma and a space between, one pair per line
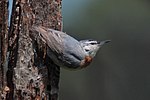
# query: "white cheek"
87, 47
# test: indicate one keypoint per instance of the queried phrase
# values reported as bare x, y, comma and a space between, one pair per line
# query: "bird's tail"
42, 31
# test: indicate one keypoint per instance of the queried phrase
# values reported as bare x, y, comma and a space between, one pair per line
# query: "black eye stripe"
93, 43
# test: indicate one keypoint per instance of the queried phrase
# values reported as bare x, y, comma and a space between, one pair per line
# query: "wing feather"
53, 38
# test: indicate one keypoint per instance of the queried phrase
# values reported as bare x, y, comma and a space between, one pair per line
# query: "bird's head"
92, 46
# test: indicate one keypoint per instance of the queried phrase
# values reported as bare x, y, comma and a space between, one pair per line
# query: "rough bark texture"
3, 48
31, 75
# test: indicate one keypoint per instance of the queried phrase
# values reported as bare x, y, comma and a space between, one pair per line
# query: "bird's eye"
86, 50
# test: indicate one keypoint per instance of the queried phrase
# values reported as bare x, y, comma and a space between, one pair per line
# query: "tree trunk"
3, 48
31, 74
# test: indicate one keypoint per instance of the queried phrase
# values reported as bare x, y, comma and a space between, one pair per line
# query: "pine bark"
3, 48
26, 72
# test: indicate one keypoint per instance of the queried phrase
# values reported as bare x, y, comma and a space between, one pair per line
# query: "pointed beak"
103, 42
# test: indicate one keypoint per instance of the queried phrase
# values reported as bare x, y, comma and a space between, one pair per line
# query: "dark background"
121, 69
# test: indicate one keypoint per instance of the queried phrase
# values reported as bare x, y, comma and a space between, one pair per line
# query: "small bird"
66, 51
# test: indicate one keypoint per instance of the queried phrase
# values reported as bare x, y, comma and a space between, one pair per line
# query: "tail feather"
42, 31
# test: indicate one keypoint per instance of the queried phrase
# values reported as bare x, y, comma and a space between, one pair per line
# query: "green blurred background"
121, 69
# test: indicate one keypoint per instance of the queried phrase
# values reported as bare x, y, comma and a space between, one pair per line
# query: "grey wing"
53, 38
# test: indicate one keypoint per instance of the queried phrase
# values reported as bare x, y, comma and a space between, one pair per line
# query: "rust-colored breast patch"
87, 60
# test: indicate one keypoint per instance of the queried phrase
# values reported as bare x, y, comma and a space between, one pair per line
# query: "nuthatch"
65, 51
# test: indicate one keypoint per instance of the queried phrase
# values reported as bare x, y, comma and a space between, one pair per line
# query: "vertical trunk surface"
3, 48
31, 75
